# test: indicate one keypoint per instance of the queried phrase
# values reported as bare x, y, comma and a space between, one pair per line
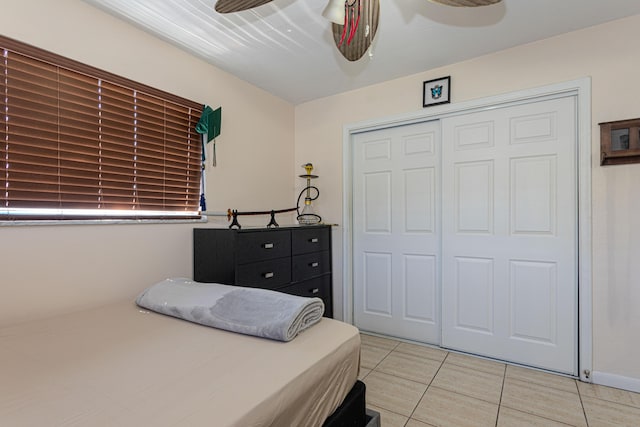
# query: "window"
77, 142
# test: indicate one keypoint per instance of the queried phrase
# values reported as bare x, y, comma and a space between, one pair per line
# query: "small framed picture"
436, 91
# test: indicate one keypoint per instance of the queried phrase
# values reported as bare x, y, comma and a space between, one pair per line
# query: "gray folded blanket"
251, 311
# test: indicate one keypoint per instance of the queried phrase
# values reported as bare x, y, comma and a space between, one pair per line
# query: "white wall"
46, 270
601, 52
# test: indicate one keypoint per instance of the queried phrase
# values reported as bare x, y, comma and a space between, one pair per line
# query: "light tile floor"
417, 386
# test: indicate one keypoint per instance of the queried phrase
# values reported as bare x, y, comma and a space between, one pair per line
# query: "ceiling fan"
354, 22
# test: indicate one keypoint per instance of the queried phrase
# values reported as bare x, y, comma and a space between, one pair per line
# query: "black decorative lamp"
308, 216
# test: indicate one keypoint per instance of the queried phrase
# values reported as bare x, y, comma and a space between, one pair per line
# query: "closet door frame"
581, 89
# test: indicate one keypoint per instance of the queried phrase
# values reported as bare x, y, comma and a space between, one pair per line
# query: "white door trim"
581, 89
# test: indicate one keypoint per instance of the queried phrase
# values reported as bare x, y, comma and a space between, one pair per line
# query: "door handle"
314, 264
268, 246
268, 275
313, 240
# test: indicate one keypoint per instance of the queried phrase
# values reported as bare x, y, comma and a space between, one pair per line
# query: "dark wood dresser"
295, 260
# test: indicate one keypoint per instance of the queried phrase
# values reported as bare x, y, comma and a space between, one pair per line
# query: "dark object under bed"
352, 411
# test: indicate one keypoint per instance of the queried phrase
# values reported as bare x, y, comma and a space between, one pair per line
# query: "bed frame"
352, 411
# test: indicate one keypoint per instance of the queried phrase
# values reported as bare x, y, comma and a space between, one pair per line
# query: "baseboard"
617, 381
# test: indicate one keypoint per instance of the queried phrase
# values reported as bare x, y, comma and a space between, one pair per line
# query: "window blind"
79, 142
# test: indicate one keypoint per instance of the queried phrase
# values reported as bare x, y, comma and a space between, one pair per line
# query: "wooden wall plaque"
620, 142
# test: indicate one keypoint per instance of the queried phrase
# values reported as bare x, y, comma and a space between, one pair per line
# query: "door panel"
377, 276
474, 294
533, 300
533, 195
474, 197
377, 211
419, 209
420, 286
395, 230
509, 224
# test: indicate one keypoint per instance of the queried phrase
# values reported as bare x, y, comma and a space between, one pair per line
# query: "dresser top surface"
262, 228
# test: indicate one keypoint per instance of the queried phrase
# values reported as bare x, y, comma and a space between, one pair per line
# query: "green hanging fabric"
209, 126
210, 122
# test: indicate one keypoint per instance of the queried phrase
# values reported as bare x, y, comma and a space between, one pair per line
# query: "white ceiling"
287, 48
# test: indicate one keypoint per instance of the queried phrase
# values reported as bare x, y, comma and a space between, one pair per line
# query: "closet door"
509, 234
395, 232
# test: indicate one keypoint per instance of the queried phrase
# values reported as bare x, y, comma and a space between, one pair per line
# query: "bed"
122, 365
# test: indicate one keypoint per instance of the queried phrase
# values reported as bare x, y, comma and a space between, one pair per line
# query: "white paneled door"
395, 231
465, 233
509, 234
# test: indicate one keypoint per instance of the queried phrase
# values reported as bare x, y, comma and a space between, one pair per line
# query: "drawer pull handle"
268, 246
313, 240
315, 291
314, 264
268, 275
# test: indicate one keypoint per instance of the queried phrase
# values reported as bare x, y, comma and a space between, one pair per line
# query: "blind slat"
3, 125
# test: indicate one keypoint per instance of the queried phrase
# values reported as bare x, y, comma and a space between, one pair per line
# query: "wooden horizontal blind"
78, 142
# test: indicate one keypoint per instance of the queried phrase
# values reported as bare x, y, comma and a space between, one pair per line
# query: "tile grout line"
504, 379
474, 369
378, 364
426, 389
386, 355
428, 385
584, 411
610, 400
380, 372
524, 411
539, 416
381, 360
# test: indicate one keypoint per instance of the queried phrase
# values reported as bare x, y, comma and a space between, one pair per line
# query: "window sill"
19, 223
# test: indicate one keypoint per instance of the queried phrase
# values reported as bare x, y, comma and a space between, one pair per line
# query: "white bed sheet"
120, 365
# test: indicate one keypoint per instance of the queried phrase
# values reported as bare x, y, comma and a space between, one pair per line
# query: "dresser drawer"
319, 287
269, 274
257, 246
310, 265
312, 239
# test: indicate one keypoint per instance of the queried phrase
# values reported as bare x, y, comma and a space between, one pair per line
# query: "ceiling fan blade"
466, 3
229, 6
361, 39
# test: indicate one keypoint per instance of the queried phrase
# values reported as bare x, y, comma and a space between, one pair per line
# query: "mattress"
120, 365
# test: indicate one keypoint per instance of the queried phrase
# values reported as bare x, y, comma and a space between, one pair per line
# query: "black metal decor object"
272, 223
306, 217
235, 222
